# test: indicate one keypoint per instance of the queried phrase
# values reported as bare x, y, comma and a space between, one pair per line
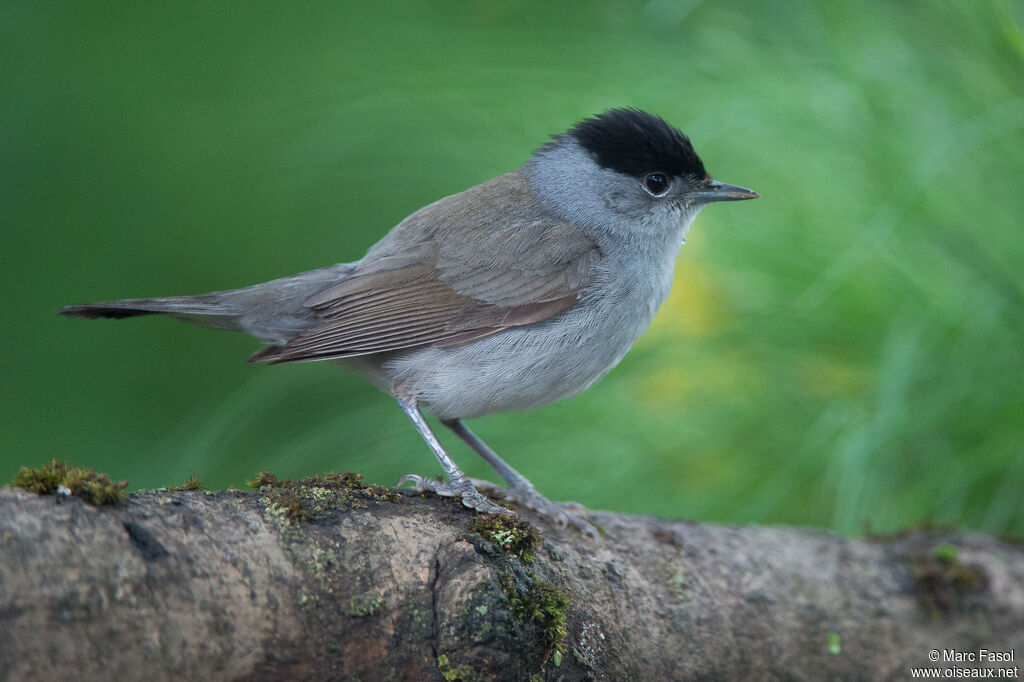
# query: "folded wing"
523, 267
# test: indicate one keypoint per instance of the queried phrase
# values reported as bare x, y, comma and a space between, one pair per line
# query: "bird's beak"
713, 190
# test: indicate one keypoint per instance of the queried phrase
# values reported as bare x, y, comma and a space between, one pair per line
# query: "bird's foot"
462, 489
561, 514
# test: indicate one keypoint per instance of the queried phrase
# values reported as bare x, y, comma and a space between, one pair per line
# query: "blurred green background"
846, 352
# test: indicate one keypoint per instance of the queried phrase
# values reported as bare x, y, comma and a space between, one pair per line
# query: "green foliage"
844, 352
57, 477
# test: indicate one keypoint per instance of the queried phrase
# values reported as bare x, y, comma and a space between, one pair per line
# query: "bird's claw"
464, 490
418, 482
557, 513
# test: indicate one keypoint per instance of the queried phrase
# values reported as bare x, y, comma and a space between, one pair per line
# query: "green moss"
833, 644
57, 477
463, 673
942, 580
329, 481
289, 505
947, 553
540, 603
264, 479
191, 484
308, 601
302, 500
512, 535
365, 604
323, 560
679, 585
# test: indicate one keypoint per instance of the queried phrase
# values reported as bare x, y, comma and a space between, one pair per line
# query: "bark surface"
349, 585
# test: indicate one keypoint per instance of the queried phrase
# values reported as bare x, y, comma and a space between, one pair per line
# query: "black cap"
633, 142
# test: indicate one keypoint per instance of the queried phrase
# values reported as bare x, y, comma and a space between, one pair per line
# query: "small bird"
510, 295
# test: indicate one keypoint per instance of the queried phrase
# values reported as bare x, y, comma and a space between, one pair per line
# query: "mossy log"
367, 585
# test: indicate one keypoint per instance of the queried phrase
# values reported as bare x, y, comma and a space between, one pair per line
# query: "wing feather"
421, 286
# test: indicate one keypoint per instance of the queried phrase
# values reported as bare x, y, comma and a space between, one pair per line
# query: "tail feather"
94, 311
133, 307
273, 311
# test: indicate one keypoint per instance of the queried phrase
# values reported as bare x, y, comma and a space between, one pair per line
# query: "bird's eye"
656, 183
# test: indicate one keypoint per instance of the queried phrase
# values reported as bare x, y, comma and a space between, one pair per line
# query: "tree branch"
347, 584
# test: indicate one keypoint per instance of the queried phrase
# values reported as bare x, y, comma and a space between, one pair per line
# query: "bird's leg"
519, 489
458, 484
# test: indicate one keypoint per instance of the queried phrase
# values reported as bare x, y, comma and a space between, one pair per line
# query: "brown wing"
436, 292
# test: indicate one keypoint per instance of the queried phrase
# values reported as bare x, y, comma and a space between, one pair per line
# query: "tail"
273, 311
209, 310
109, 309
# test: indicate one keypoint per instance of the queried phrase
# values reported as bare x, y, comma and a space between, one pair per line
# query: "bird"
510, 295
